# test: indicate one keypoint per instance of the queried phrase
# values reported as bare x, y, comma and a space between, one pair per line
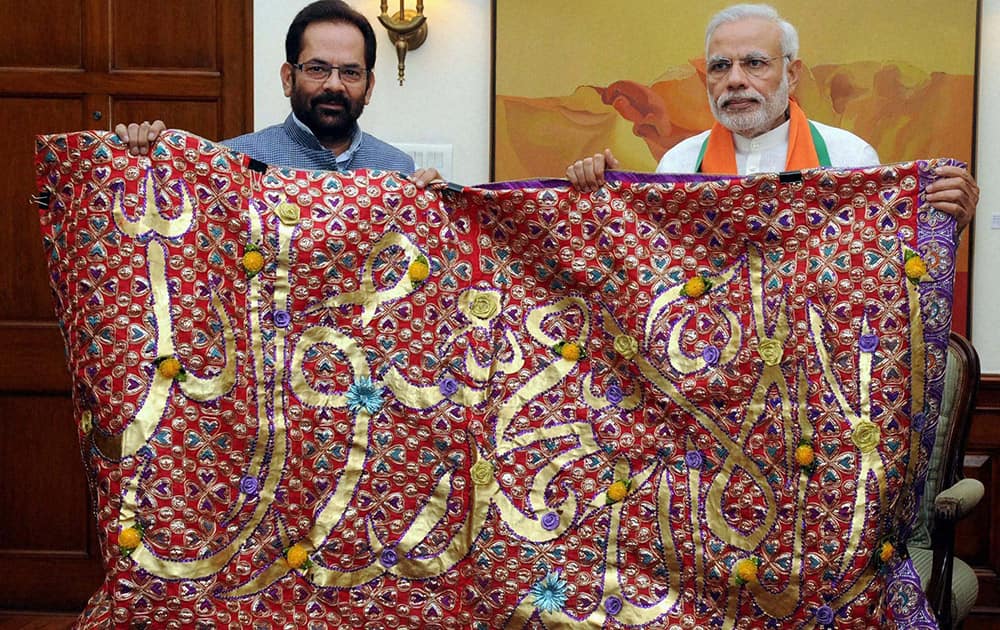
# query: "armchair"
950, 584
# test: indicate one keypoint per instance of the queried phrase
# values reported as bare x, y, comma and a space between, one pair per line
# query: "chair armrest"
955, 502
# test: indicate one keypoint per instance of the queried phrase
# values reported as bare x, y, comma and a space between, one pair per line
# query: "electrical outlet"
995, 222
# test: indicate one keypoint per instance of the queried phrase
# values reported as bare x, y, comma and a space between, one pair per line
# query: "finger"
600, 168
155, 130
132, 138
590, 175
952, 176
952, 171
143, 138
610, 160
962, 188
950, 183
955, 203
122, 132
423, 176
955, 195
418, 178
576, 177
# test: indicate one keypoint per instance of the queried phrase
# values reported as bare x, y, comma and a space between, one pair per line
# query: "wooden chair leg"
939, 588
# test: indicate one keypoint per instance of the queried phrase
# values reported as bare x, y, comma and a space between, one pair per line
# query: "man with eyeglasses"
751, 71
328, 79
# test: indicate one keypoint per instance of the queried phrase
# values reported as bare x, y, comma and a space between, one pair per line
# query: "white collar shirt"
766, 153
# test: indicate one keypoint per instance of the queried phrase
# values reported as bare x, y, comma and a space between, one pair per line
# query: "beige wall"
986, 260
446, 101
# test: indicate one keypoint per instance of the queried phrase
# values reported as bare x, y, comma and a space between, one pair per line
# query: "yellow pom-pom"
570, 351
253, 261
296, 556
805, 455
695, 287
419, 270
129, 538
169, 367
617, 491
887, 551
746, 571
915, 268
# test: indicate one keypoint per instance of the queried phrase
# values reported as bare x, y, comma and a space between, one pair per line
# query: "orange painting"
573, 78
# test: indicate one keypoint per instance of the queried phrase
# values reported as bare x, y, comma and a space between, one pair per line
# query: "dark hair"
328, 11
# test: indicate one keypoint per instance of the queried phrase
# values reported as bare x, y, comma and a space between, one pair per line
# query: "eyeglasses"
719, 67
321, 72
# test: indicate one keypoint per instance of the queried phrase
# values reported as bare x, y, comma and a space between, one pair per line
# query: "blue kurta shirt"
292, 145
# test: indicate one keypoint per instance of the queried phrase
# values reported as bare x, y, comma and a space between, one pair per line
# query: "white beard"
762, 119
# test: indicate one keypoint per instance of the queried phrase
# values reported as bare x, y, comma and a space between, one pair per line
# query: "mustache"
744, 95
331, 99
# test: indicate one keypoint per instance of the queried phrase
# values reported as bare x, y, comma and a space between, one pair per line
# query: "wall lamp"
407, 29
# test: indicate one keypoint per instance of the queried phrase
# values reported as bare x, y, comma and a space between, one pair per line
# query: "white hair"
737, 12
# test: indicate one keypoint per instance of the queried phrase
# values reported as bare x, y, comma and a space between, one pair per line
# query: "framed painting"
573, 78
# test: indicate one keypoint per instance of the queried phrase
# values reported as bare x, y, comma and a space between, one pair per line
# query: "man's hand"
955, 193
423, 176
139, 136
587, 175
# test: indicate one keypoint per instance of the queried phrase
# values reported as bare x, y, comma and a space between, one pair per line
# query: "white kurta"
767, 152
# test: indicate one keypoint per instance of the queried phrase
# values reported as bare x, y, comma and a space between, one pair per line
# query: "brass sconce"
407, 29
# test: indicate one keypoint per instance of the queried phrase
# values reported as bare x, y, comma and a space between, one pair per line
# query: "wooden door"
68, 65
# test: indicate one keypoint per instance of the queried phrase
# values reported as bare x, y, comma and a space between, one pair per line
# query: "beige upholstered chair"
950, 583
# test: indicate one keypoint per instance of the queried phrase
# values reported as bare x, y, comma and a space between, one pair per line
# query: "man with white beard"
752, 69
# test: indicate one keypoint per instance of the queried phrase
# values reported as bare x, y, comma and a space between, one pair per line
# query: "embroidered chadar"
333, 400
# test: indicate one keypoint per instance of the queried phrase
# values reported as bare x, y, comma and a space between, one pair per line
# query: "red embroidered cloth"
333, 400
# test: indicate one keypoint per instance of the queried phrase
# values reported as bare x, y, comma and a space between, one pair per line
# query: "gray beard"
752, 124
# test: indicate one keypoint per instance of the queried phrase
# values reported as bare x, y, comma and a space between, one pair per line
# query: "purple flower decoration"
249, 486
693, 459
824, 615
868, 342
364, 395
281, 318
613, 605
388, 558
615, 394
710, 354
550, 521
448, 386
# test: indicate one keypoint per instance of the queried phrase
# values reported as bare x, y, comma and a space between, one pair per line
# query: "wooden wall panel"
185, 37
47, 544
21, 23
21, 367
19, 232
971, 543
50, 507
67, 65
199, 117
979, 535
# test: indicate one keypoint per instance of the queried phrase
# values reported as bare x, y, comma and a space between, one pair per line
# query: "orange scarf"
720, 154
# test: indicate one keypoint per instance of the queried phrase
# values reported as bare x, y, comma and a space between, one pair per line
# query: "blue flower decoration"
364, 395
550, 592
